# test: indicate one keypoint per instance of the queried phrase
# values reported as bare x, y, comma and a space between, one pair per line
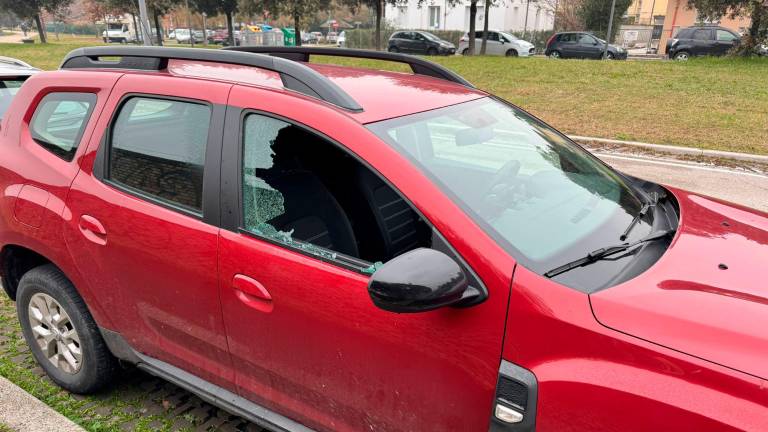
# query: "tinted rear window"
8, 89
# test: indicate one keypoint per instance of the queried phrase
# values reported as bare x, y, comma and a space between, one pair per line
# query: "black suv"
419, 42
701, 41
581, 45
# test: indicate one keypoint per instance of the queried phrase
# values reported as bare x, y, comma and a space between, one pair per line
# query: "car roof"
367, 95
11, 67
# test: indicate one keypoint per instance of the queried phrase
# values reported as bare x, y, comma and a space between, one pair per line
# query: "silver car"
13, 73
499, 43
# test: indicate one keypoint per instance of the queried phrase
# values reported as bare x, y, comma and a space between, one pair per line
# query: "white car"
119, 32
499, 43
341, 40
13, 73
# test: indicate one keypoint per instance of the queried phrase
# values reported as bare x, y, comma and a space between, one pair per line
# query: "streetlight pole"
525, 24
144, 19
205, 30
189, 24
610, 28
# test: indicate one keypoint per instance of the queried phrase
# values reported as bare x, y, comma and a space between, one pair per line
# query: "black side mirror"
421, 280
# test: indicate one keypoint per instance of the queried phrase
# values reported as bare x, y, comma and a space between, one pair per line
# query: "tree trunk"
485, 26
296, 28
758, 15
378, 25
230, 29
40, 29
472, 16
158, 30
136, 28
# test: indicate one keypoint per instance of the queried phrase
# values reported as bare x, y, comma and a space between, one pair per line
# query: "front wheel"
61, 333
682, 56
431, 52
465, 51
610, 56
511, 53
555, 55
393, 49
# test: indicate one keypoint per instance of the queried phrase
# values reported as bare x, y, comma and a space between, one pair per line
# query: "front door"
305, 222
589, 47
143, 226
724, 42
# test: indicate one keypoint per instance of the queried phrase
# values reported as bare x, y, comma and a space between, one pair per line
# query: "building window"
434, 16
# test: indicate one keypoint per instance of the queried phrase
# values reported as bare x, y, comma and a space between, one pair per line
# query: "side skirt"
207, 391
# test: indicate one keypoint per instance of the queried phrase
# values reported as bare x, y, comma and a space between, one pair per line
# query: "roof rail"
295, 76
418, 65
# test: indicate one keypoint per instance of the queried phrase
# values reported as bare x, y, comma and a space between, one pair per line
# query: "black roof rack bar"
295, 76
418, 65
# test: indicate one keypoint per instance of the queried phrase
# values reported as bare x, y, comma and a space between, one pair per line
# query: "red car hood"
708, 294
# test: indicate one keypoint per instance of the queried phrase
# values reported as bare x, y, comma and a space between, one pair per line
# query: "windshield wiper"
601, 253
655, 197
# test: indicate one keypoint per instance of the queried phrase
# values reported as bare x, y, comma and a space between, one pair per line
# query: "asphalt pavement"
738, 186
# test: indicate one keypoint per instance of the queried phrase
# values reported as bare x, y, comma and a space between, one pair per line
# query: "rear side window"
158, 150
702, 34
59, 122
8, 89
568, 37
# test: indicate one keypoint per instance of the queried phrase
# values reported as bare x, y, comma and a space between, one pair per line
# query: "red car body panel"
301, 336
707, 296
332, 354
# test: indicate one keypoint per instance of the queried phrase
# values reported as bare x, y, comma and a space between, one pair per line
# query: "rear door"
144, 215
568, 45
703, 42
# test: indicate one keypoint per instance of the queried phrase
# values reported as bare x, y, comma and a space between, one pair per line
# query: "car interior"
331, 200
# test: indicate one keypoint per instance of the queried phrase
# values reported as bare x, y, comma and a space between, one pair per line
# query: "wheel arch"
17, 259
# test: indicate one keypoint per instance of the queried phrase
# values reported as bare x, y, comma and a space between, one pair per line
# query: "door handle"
93, 230
252, 293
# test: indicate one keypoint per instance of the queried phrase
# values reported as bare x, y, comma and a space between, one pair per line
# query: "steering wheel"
504, 189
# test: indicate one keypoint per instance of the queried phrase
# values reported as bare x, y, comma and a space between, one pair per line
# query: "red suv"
316, 247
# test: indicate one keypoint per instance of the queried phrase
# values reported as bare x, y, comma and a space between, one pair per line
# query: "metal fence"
638, 36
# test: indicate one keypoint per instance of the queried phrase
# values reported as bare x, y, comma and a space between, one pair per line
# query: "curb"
24, 413
675, 149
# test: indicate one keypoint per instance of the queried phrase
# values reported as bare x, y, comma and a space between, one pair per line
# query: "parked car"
581, 45
498, 43
309, 37
331, 37
341, 41
701, 41
182, 36
13, 73
762, 50
419, 42
219, 37
311, 253
119, 32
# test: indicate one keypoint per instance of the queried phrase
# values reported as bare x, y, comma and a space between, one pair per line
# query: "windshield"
541, 197
8, 89
509, 37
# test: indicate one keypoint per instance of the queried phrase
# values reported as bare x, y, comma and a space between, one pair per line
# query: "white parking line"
679, 164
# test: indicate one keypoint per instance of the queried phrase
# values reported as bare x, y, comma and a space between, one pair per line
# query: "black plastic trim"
525, 377
295, 76
418, 65
211, 169
207, 391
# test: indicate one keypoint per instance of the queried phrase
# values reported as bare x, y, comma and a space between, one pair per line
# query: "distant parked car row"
422, 42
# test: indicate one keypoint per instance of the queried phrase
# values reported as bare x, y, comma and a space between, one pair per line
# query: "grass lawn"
708, 103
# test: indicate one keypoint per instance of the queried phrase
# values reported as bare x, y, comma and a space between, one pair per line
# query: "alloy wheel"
55, 333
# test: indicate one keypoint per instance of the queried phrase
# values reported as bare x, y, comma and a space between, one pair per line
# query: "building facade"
508, 15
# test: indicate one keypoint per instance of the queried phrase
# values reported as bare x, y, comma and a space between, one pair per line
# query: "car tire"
682, 56
52, 313
511, 53
393, 49
431, 52
555, 54
106, 40
610, 56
